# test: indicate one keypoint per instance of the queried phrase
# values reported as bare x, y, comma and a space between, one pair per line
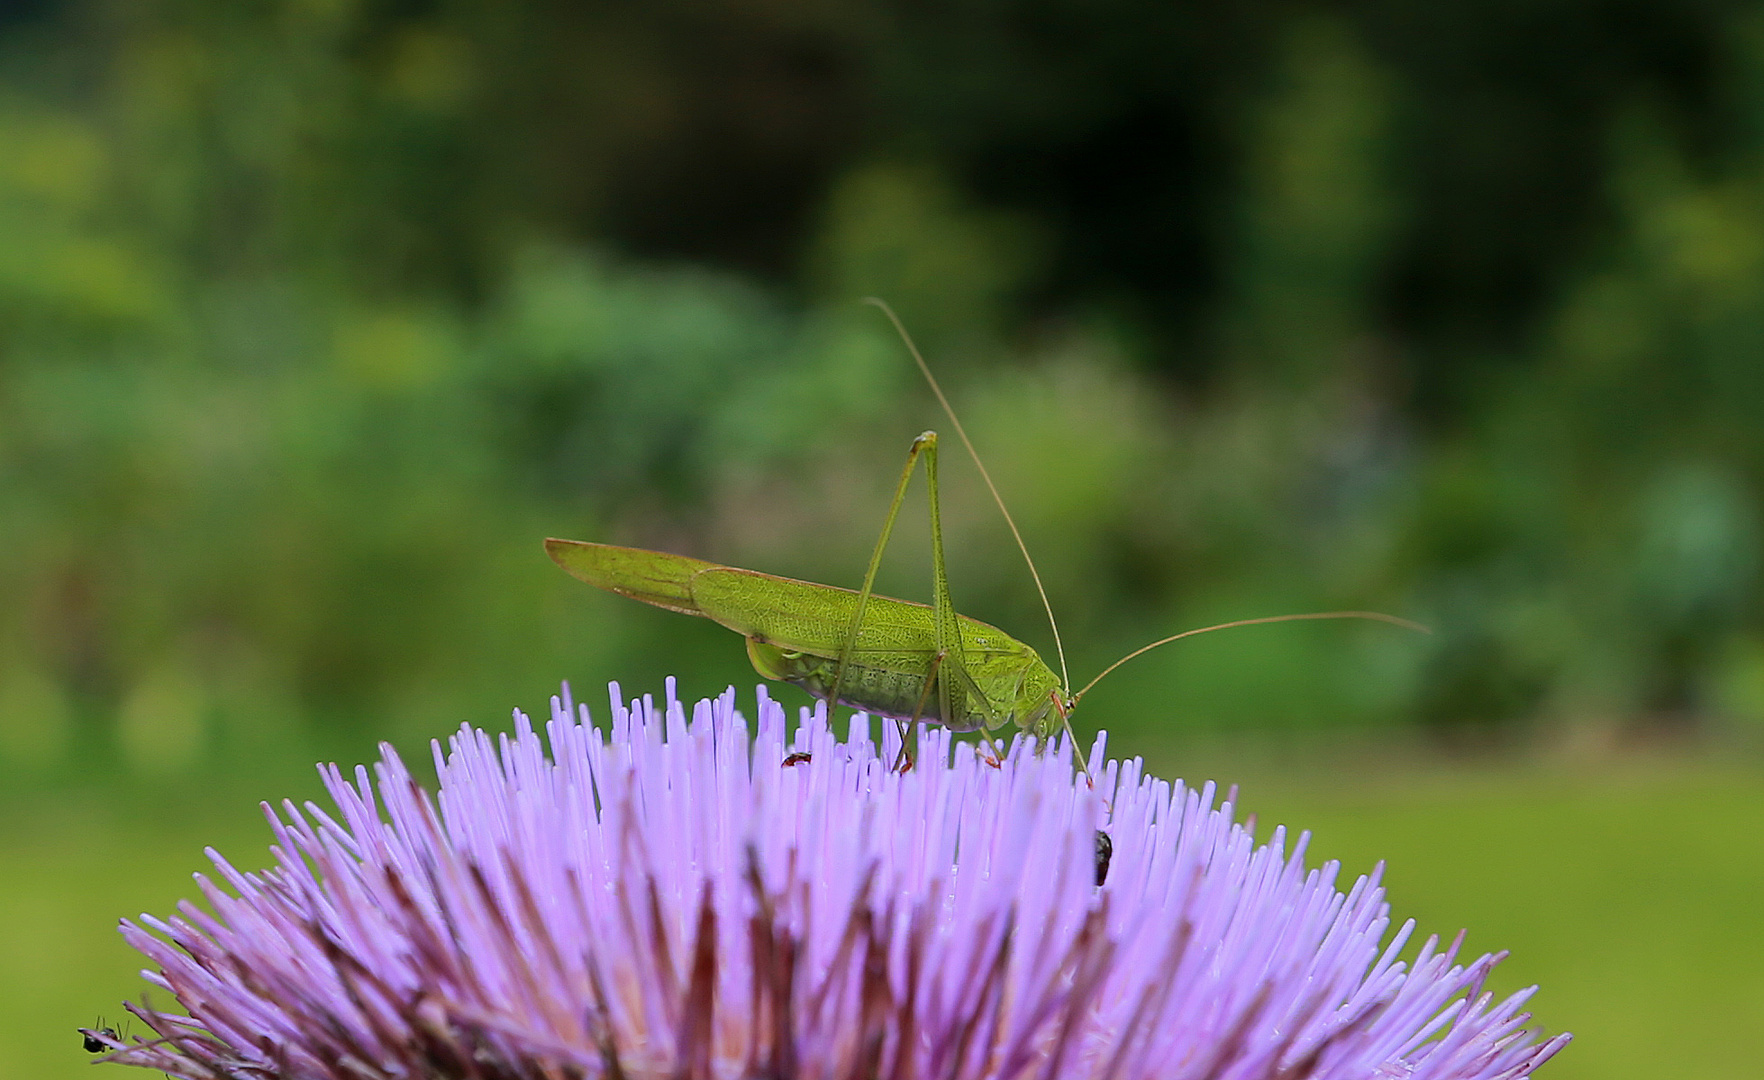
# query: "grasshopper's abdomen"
880, 691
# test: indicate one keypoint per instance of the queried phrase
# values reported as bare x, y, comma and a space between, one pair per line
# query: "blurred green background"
316, 315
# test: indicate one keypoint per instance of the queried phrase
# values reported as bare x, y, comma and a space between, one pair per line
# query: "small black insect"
1105, 850
797, 759
91, 1041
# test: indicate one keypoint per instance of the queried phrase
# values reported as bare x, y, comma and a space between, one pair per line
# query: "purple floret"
676, 901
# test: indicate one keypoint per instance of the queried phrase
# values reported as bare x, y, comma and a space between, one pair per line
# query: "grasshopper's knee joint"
925, 439
770, 661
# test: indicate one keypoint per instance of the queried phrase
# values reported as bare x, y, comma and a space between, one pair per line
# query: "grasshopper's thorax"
1009, 687
876, 689
1040, 701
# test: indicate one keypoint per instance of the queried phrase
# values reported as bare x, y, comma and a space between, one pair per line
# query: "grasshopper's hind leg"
925, 443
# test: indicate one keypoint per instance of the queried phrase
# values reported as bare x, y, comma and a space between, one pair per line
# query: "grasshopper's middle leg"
904, 762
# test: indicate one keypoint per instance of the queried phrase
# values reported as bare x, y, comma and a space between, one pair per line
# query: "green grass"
1631, 893
69, 869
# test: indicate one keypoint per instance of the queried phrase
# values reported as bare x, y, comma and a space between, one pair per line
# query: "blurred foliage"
315, 315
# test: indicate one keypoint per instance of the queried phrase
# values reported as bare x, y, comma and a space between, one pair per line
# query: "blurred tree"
315, 314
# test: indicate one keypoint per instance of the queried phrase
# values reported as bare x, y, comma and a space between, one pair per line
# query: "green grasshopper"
907, 661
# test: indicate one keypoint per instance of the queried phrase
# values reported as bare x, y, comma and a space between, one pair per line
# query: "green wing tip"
559, 550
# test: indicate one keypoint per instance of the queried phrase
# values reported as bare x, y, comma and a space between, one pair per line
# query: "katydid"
907, 661
888, 657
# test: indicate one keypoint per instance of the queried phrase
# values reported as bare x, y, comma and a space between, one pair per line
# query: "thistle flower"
689, 899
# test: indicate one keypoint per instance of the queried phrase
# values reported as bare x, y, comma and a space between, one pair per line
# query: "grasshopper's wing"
805, 617
654, 577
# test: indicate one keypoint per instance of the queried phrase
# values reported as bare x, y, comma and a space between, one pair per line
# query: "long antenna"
1376, 616
900, 328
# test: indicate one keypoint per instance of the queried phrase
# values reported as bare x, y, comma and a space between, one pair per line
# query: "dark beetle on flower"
1105, 850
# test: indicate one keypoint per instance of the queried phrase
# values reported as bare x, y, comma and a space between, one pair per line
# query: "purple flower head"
694, 899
